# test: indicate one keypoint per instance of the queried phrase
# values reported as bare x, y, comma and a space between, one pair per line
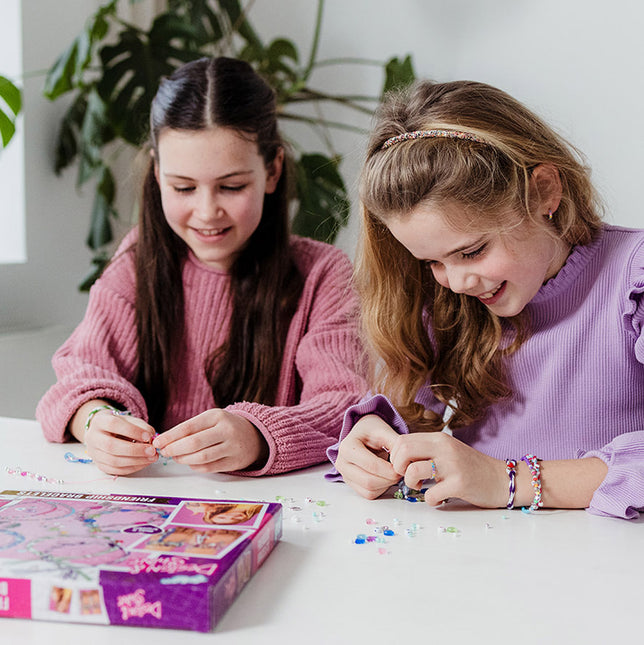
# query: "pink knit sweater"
321, 367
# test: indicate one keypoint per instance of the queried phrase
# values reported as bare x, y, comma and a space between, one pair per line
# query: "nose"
208, 208
460, 279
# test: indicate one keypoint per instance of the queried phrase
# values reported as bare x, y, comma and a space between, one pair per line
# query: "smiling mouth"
490, 294
211, 232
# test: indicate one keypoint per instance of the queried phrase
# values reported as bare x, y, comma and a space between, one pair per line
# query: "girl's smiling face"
503, 270
213, 184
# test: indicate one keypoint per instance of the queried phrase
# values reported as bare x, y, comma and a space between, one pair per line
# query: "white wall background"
578, 63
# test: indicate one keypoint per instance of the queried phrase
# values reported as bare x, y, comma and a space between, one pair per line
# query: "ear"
545, 183
274, 171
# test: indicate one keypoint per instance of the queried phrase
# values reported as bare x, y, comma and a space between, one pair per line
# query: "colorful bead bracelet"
535, 471
511, 470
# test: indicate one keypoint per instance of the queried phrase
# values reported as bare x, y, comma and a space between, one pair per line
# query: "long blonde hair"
462, 355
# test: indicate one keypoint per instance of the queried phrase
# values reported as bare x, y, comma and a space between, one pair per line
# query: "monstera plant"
113, 69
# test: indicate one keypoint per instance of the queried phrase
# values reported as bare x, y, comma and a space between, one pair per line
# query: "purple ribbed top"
321, 365
578, 381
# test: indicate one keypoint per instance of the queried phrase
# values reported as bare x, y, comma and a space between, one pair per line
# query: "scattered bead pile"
294, 510
380, 533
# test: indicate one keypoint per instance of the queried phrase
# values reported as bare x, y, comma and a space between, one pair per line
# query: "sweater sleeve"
621, 494
377, 404
98, 359
328, 377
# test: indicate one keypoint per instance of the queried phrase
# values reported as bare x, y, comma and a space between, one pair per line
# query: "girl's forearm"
569, 483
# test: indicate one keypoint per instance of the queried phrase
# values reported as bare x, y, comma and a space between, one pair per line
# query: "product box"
129, 560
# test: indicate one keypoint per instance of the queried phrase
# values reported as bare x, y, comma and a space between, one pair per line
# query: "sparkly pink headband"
427, 134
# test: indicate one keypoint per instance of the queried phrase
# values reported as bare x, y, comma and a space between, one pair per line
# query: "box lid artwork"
129, 560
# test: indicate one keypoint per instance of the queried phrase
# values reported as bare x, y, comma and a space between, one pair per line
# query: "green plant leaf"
282, 48
67, 144
11, 95
277, 63
60, 76
398, 73
7, 128
133, 68
12, 98
100, 231
323, 202
96, 131
202, 18
277, 55
67, 73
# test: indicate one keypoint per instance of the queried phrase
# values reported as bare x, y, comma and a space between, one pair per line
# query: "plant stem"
313, 121
314, 95
316, 40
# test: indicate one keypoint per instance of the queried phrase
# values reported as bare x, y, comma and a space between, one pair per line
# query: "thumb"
436, 494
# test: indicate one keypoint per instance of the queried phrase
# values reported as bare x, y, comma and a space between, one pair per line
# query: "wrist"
103, 407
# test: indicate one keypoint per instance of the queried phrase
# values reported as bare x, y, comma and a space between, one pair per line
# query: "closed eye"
472, 254
183, 189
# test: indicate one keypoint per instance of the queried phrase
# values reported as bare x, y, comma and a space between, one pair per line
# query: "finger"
366, 482
376, 436
369, 493
183, 448
114, 465
376, 464
119, 447
119, 470
127, 428
191, 426
210, 454
435, 495
148, 431
420, 471
408, 449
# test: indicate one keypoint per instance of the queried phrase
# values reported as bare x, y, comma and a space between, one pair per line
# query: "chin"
506, 312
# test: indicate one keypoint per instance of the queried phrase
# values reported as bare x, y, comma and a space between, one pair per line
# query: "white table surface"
504, 576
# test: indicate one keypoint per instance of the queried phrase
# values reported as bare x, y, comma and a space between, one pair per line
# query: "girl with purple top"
496, 306
212, 325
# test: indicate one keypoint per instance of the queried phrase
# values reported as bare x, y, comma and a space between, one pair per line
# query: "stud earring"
549, 215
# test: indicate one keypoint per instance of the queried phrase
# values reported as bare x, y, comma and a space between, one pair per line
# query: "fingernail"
150, 451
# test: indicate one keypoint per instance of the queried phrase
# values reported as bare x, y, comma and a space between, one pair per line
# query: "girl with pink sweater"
213, 336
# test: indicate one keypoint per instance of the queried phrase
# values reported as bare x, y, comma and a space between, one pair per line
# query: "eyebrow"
236, 173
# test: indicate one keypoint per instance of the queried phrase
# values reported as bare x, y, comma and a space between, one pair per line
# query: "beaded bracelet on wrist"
511, 470
535, 471
100, 408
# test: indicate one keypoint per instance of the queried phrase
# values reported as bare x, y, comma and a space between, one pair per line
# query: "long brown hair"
488, 176
265, 284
